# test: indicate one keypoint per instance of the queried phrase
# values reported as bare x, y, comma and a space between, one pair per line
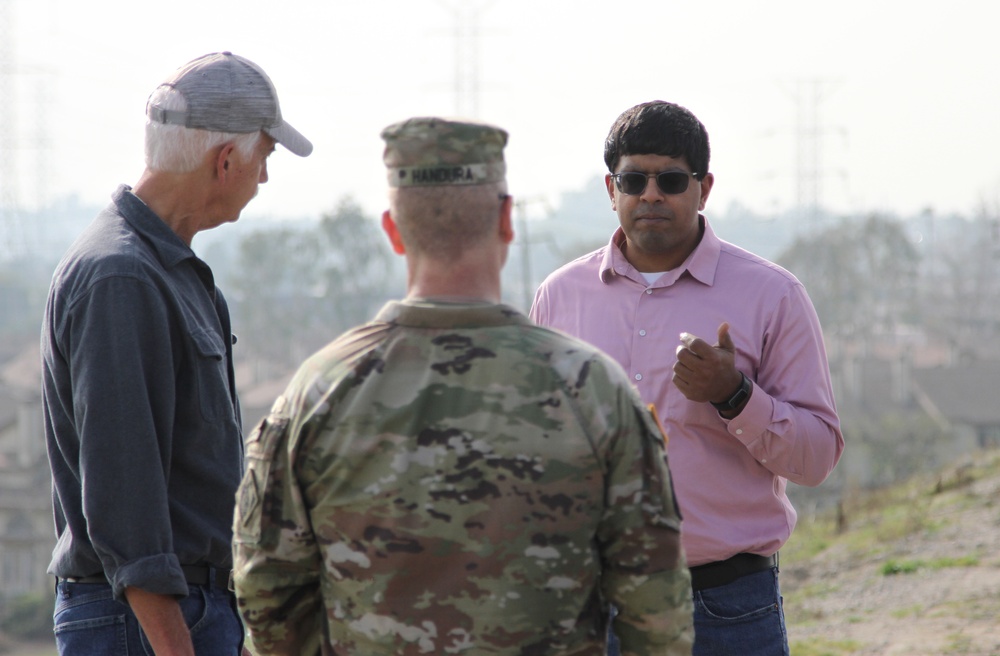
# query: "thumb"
725, 339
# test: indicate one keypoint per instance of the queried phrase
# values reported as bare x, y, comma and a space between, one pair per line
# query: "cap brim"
291, 139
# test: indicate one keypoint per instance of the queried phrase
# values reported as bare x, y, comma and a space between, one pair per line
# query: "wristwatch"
739, 396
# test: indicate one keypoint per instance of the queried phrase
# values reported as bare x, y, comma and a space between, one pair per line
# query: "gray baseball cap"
430, 151
228, 93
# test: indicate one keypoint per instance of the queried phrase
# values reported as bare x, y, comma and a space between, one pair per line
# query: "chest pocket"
256, 495
212, 376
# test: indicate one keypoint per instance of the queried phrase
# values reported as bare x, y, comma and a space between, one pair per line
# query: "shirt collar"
425, 313
701, 263
170, 248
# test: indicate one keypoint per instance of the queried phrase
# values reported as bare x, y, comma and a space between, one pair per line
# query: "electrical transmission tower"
11, 234
467, 34
809, 132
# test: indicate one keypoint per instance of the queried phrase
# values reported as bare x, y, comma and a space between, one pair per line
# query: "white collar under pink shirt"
729, 475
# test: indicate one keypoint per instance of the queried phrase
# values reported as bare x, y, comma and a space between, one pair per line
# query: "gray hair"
443, 221
178, 149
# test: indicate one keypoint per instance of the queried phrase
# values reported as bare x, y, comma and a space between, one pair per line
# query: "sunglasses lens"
631, 183
673, 182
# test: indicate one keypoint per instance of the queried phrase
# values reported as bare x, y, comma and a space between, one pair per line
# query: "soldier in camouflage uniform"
451, 478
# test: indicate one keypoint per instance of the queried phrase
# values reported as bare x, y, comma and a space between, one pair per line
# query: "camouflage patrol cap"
428, 151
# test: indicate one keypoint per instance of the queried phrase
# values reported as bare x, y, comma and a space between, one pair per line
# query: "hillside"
912, 570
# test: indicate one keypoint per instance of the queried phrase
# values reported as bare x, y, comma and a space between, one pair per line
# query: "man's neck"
458, 300
473, 278
175, 198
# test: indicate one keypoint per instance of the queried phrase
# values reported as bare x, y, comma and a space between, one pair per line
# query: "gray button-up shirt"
142, 422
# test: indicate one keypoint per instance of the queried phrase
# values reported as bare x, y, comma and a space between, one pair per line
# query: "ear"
706, 189
223, 161
393, 233
610, 184
507, 220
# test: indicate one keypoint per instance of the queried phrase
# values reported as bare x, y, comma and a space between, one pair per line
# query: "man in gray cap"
450, 478
142, 421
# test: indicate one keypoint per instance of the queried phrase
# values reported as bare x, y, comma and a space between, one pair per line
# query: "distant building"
27, 533
962, 399
937, 394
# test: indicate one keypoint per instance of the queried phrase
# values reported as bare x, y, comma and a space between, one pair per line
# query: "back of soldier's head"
447, 181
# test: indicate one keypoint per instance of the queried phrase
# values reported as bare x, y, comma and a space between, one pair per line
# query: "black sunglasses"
633, 183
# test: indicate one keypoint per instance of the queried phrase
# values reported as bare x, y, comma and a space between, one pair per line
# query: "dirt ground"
945, 599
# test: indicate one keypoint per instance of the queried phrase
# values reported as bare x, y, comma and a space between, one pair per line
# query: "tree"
296, 289
963, 288
273, 285
862, 278
357, 271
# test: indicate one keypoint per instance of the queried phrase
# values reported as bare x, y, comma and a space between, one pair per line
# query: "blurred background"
853, 143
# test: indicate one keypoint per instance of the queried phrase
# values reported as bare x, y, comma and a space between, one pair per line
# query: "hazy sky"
909, 92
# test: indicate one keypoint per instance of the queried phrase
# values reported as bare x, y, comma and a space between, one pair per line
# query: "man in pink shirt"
728, 348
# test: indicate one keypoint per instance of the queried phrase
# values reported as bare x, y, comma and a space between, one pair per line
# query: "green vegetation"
892, 566
868, 525
910, 611
824, 647
959, 644
895, 531
981, 607
28, 617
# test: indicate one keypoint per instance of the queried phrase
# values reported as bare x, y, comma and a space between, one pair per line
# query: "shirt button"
649, 291
638, 376
642, 333
739, 431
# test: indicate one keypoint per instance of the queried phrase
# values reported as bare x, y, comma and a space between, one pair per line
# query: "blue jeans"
743, 618
89, 622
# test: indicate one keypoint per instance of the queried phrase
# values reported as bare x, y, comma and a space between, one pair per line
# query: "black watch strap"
738, 397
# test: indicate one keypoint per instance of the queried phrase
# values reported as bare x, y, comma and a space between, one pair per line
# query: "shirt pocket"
212, 375
256, 495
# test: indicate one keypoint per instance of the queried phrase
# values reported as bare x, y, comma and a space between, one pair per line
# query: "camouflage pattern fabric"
452, 479
431, 151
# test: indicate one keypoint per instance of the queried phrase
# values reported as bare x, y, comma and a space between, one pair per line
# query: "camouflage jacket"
455, 479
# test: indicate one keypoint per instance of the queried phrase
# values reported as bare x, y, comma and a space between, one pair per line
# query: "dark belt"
193, 574
723, 572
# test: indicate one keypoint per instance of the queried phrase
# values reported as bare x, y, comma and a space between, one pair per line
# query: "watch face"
737, 398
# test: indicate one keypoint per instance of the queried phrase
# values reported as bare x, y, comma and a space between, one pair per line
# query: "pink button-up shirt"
729, 475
